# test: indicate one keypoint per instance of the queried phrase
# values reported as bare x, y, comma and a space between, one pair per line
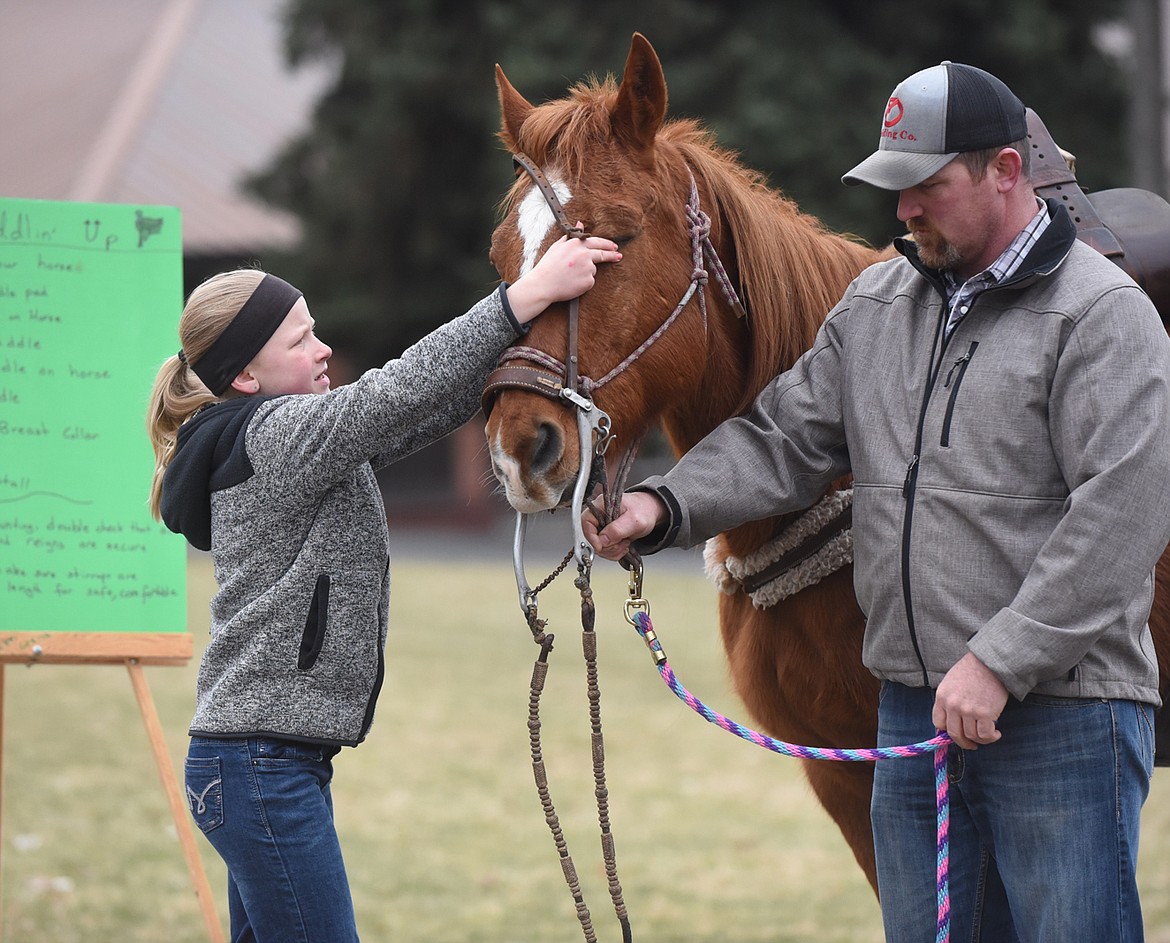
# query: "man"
999, 394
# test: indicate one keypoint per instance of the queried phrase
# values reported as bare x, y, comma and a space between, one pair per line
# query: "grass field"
718, 841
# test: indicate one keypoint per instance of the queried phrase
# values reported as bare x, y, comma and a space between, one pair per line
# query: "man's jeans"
1044, 822
265, 805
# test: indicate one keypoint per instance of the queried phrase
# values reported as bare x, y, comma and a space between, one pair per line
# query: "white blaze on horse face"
534, 218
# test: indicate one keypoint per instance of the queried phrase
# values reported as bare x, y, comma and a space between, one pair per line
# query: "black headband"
248, 331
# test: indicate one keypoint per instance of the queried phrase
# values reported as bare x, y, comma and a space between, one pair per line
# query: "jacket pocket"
954, 380
315, 624
203, 777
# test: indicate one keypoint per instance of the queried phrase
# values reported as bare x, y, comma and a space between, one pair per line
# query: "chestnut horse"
625, 172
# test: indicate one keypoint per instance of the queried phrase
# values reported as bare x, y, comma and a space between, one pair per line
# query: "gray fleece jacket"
282, 491
1011, 483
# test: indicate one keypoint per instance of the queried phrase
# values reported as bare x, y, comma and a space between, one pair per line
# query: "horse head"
600, 151
658, 341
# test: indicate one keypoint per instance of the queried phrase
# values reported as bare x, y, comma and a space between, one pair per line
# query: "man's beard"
933, 249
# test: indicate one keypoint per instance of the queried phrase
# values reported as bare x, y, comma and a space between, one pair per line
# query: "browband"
247, 332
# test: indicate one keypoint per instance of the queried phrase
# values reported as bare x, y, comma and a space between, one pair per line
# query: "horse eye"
607, 233
619, 222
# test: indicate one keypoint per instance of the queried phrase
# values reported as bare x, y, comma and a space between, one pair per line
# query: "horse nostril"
547, 447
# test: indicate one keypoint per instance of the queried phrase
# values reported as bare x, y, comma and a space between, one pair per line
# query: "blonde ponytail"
178, 393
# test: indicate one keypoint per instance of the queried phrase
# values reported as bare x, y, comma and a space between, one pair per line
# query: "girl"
260, 463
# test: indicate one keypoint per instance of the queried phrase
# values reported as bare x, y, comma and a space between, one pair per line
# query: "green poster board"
90, 296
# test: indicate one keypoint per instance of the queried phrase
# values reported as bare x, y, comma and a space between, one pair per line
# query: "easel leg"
1, 800
174, 796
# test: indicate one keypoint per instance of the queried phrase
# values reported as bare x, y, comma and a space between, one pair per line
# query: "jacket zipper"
1044, 267
957, 372
910, 484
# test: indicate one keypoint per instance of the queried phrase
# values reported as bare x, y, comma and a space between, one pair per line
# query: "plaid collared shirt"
961, 296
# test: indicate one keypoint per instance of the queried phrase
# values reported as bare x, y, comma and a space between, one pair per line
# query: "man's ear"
246, 383
1007, 166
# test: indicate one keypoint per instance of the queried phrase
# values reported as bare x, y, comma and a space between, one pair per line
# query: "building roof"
170, 102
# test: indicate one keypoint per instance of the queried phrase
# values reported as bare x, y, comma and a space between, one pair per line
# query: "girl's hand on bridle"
565, 271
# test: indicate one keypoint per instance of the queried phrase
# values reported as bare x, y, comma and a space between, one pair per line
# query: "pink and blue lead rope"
937, 745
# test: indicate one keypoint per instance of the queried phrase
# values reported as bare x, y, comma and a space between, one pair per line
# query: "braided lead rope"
540, 774
936, 745
600, 789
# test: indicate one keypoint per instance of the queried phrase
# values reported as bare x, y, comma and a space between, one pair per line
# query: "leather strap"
523, 162
1053, 178
574, 334
515, 376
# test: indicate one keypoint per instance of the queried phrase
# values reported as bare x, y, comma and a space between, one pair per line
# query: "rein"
601, 793
593, 438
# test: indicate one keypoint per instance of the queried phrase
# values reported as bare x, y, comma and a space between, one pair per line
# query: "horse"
625, 171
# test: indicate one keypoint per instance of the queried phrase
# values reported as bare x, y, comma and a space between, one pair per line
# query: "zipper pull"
911, 474
955, 366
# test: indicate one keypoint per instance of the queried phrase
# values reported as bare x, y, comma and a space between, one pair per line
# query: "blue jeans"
1044, 822
264, 804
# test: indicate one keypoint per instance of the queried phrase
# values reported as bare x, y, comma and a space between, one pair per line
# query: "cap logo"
894, 112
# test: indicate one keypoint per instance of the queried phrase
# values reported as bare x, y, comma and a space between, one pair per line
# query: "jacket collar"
1050, 250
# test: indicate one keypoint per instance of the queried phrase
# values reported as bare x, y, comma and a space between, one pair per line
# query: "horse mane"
789, 269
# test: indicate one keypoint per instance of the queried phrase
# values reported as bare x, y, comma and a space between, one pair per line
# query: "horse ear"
514, 108
641, 99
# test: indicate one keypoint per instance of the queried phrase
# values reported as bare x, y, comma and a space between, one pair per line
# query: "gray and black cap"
935, 115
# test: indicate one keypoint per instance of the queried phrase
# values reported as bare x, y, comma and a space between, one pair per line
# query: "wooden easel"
134, 650
84, 291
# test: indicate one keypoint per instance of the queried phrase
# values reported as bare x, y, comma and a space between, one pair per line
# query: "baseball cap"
935, 115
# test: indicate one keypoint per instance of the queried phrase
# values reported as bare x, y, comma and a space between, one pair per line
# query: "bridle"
528, 368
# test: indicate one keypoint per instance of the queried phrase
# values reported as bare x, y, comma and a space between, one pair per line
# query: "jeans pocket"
204, 780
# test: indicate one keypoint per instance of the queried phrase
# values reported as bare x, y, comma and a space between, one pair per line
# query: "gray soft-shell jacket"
1011, 483
282, 491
